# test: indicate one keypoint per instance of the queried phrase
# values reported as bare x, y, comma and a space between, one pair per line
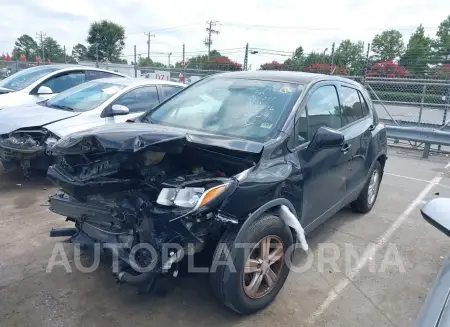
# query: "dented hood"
35, 115
132, 137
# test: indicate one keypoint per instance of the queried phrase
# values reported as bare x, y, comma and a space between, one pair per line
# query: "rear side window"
351, 106
170, 90
365, 107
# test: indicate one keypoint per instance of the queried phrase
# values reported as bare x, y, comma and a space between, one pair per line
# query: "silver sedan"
39, 83
27, 132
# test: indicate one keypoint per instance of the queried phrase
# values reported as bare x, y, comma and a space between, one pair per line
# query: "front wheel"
369, 193
257, 267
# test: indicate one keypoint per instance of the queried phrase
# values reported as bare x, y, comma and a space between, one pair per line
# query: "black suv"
239, 165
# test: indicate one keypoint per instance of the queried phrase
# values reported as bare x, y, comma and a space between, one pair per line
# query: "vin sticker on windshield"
266, 125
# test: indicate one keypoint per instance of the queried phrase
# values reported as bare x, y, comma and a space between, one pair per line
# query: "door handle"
346, 147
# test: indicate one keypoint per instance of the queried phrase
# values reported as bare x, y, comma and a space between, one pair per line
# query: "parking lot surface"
378, 290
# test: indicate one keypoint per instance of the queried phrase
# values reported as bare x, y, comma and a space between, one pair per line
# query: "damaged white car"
26, 133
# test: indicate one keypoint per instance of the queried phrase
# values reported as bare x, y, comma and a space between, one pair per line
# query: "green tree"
418, 53
53, 51
108, 38
79, 52
351, 56
388, 45
27, 46
148, 62
442, 42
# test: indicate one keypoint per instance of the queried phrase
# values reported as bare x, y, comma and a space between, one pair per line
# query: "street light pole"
169, 58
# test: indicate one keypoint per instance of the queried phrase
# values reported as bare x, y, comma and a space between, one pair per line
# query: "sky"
265, 24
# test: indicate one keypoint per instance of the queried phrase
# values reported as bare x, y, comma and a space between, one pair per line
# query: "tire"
363, 204
227, 281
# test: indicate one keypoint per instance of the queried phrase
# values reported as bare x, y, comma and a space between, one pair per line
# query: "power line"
210, 30
167, 28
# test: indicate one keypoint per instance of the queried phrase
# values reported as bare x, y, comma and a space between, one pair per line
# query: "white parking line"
374, 248
407, 177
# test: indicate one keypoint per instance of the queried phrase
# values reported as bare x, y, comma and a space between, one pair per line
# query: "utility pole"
169, 58
65, 59
366, 64
96, 55
246, 57
210, 30
149, 35
332, 60
183, 54
41, 37
135, 63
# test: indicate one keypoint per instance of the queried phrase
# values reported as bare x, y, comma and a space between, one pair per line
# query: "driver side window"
139, 100
65, 81
322, 109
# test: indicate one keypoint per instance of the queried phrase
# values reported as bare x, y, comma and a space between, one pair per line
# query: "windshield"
26, 77
249, 109
84, 97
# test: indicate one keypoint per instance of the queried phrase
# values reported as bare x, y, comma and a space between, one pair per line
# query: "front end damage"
27, 149
153, 189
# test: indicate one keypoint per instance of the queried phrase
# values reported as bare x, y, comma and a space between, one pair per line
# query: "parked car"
27, 132
35, 84
435, 310
279, 155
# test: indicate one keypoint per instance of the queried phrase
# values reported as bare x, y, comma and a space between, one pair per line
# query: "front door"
323, 172
137, 101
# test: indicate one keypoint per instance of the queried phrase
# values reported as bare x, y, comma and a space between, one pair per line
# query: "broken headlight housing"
190, 197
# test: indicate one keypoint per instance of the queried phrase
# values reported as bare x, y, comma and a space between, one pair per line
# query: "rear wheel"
369, 193
259, 269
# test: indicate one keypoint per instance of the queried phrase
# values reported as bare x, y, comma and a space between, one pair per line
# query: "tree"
274, 65
108, 38
52, 50
418, 53
79, 52
148, 62
215, 62
26, 46
442, 43
351, 56
388, 45
387, 69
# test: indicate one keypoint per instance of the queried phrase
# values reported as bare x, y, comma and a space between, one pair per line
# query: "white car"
35, 84
26, 133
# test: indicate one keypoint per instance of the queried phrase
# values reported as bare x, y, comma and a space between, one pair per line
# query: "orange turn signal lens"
211, 194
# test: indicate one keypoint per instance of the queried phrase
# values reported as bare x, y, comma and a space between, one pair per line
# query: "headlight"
50, 141
189, 197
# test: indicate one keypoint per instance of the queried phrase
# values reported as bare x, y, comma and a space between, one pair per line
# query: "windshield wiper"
59, 106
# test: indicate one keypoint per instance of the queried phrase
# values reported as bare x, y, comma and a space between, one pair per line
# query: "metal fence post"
421, 103
135, 63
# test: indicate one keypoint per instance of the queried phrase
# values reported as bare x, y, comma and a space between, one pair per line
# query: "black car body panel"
121, 169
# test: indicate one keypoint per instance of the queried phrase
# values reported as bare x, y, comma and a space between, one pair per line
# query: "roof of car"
130, 81
284, 76
56, 67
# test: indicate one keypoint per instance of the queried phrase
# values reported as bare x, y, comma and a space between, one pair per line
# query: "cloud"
267, 24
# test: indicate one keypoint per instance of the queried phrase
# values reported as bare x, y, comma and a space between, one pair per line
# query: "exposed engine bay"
165, 193
26, 148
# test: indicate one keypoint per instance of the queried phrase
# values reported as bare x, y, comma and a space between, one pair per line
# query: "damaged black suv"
245, 163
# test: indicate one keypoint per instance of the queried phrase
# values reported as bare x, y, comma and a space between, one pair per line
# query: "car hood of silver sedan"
15, 118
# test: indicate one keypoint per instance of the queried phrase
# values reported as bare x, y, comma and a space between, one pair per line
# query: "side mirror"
118, 109
44, 90
326, 138
437, 213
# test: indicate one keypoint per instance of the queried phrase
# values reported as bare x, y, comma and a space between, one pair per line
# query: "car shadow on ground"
15, 179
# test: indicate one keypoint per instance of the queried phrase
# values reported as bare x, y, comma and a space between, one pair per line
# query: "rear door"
357, 126
169, 90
